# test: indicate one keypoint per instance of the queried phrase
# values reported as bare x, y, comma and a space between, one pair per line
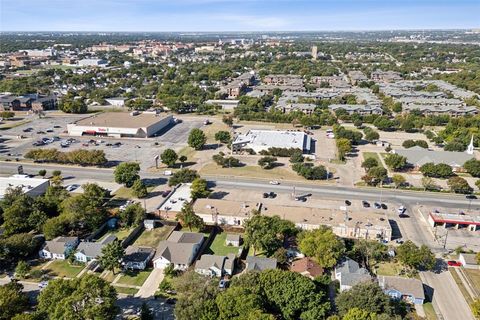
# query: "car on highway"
49, 130
453, 263
38, 143
365, 204
274, 182
57, 127
72, 187
301, 198
471, 197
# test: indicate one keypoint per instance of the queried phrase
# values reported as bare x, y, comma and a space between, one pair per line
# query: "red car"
453, 263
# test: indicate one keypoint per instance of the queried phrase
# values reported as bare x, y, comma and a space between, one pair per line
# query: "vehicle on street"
49, 130
206, 122
72, 187
399, 241
57, 127
274, 182
365, 204
453, 263
28, 130
471, 197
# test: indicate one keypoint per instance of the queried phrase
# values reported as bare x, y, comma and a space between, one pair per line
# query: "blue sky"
236, 15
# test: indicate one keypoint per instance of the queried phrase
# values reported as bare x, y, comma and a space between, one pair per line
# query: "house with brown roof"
307, 267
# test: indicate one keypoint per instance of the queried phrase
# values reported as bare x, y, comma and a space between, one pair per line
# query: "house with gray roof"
407, 289
215, 266
349, 273
362, 109
260, 263
87, 251
418, 156
468, 260
58, 248
180, 249
137, 258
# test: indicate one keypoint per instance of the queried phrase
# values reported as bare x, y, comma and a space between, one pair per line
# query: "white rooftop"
23, 181
177, 198
274, 138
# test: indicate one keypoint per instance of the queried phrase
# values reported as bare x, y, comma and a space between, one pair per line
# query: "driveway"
447, 297
150, 286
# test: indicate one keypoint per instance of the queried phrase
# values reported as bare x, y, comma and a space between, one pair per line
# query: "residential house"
137, 258
229, 265
408, 289
260, 263
349, 273
307, 267
233, 240
361, 109
468, 260
180, 249
87, 251
58, 248
210, 265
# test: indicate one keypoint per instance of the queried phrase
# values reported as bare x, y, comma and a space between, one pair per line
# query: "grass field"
134, 278
124, 193
277, 173
61, 268
219, 247
151, 238
119, 233
373, 155
129, 291
429, 311
388, 269
474, 276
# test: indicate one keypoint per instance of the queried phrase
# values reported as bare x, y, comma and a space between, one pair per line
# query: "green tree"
78, 299
375, 175
112, 255
199, 188
365, 250
459, 185
475, 307
228, 120
42, 172
189, 219
267, 162
55, 227
398, 180
429, 184
146, 313
237, 303
420, 258
477, 183
369, 163
371, 135
344, 146
223, 136
169, 157
197, 139
70, 104
297, 157
395, 161
473, 167
367, 296
139, 189
126, 173
12, 300
267, 233
182, 159
22, 269
359, 314
133, 215
183, 176
323, 245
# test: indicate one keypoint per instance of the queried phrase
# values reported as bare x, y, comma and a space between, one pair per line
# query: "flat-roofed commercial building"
355, 225
259, 140
457, 221
30, 186
120, 124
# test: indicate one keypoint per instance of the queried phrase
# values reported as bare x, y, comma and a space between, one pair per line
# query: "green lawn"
61, 268
219, 247
474, 276
121, 233
388, 269
134, 278
124, 193
277, 173
429, 311
151, 238
373, 155
129, 291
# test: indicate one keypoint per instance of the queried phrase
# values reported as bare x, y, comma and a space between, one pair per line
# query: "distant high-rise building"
314, 52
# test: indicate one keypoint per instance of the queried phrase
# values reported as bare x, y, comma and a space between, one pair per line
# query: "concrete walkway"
150, 286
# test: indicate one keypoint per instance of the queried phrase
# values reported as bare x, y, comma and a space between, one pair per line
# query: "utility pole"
445, 242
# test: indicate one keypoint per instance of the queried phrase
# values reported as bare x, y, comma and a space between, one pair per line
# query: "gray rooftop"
351, 272
185, 237
260, 264
137, 254
57, 245
407, 286
470, 258
210, 260
419, 156
94, 249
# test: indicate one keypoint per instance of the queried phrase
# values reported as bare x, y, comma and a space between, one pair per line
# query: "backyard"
219, 247
120, 233
388, 269
62, 268
151, 238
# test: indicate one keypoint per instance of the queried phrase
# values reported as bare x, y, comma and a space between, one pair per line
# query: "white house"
349, 273
210, 265
179, 249
87, 251
58, 248
468, 260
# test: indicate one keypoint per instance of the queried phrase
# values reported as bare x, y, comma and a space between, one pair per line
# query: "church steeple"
470, 146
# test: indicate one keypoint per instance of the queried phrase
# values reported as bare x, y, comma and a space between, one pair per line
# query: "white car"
401, 210
71, 187
274, 182
43, 284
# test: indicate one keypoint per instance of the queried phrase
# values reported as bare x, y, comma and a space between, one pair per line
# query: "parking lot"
123, 149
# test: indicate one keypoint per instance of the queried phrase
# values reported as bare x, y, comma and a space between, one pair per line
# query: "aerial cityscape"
218, 159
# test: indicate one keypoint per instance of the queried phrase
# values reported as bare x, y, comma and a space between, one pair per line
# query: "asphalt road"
447, 296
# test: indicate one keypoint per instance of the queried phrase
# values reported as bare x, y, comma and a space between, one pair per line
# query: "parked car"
274, 182
265, 195
165, 193
401, 210
453, 263
384, 206
348, 203
40, 132
377, 205
365, 204
43, 284
72, 187
223, 284
272, 195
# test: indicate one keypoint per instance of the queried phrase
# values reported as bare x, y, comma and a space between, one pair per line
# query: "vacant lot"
372, 155
388, 269
151, 238
474, 276
278, 173
219, 247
